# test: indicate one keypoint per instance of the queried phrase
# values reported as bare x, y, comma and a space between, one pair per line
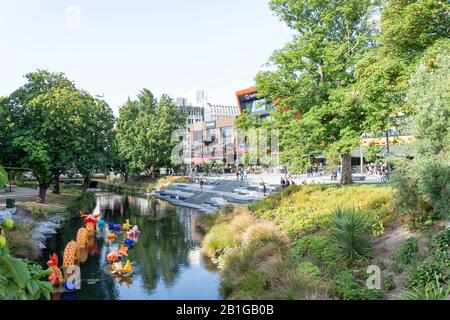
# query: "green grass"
303, 210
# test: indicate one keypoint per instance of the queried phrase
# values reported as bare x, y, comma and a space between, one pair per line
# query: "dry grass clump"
254, 258
20, 241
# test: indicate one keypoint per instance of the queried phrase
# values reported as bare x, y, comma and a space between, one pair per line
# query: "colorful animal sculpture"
83, 255
118, 268
129, 243
133, 234
92, 245
115, 227
101, 224
111, 236
116, 255
82, 237
127, 226
90, 222
56, 277
72, 254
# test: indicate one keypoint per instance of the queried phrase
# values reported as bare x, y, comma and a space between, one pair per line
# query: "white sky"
117, 48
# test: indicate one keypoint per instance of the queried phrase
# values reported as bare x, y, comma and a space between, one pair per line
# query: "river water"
167, 261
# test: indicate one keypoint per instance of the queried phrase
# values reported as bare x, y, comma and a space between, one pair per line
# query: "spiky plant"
348, 236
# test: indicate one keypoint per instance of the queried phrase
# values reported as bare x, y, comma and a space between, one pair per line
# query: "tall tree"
313, 76
423, 184
93, 138
144, 131
408, 28
34, 115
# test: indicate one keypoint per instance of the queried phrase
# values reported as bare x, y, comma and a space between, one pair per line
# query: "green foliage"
441, 241
84, 203
20, 241
309, 270
406, 255
348, 236
255, 261
144, 131
316, 247
423, 184
56, 127
372, 152
432, 292
435, 269
347, 286
301, 210
313, 75
21, 279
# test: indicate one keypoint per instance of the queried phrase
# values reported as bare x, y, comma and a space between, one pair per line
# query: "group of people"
316, 170
379, 169
241, 174
286, 182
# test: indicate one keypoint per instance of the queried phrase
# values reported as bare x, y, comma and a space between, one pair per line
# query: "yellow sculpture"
82, 237
127, 226
117, 268
72, 254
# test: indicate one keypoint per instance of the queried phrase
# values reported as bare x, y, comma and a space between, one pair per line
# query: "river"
167, 261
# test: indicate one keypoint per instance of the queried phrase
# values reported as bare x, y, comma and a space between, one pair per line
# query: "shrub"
206, 221
346, 286
436, 269
347, 233
406, 255
433, 292
308, 209
315, 247
389, 283
441, 241
218, 239
309, 270
20, 241
36, 211
85, 204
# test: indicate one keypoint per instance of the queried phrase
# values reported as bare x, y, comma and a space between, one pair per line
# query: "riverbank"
294, 245
35, 222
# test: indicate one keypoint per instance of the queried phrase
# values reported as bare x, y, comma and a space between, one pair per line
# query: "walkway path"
215, 194
17, 193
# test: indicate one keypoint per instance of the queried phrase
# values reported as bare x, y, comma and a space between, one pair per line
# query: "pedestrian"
237, 174
202, 182
264, 187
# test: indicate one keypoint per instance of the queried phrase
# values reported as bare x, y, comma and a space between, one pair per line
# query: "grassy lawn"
53, 204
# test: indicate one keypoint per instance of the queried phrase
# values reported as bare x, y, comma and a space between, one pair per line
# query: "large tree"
37, 128
93, 138
144, 131
313, 76
408, 28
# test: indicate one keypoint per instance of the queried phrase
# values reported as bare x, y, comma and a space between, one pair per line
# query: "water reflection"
167, 260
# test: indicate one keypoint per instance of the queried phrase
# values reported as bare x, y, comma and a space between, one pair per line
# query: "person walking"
264, 187
202, 182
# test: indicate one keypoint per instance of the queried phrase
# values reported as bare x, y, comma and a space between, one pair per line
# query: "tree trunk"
56, 189
126, 177
86, 181
42, 192
346, 177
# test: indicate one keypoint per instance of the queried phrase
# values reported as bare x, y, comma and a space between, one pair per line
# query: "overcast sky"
115, 48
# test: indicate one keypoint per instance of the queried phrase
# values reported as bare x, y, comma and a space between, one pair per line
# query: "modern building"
194, 114
214, 112
212, 141
248, 101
